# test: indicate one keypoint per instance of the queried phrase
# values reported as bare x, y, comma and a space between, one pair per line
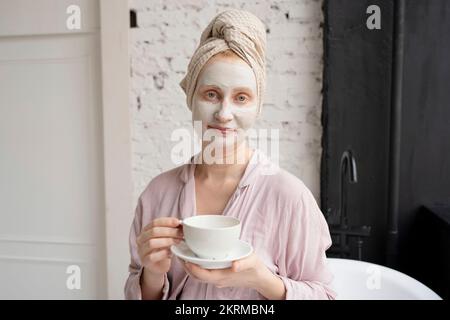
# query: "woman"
224, 86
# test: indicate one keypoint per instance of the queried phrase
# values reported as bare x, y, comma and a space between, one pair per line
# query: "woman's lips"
222, 129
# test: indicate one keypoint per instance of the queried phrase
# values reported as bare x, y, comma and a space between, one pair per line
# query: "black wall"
356, 108
359, 96
425, 147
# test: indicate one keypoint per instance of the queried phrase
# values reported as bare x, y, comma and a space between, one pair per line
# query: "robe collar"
258, 162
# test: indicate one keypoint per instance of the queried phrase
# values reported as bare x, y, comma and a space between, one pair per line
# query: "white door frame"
114, 17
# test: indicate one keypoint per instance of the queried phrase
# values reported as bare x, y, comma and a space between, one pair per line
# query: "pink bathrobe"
279, 217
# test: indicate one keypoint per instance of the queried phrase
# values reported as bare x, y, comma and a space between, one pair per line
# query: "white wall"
168, 33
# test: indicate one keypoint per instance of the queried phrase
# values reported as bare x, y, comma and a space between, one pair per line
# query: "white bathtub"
356, 280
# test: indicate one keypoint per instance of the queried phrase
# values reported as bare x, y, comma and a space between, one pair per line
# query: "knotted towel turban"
238, 30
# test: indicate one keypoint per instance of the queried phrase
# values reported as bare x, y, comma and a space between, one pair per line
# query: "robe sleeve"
303, 265
133, 290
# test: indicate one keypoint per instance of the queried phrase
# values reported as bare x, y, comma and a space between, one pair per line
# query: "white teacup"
211, 236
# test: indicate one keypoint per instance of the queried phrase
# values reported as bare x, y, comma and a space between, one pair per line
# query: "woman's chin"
221, 148
221, 145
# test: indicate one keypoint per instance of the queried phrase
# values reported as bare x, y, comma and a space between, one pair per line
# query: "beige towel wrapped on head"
238, 30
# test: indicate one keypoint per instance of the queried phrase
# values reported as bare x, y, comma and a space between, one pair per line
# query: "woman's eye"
211, 95
242, 98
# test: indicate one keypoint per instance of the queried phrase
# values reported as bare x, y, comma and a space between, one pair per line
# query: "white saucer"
183, 252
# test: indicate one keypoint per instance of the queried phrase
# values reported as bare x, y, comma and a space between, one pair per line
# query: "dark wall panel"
357, 84
425, 151
362, 90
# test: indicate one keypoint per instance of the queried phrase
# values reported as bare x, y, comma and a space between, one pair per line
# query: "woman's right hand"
154, 244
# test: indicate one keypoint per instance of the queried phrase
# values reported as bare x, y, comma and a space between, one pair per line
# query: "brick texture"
167, 34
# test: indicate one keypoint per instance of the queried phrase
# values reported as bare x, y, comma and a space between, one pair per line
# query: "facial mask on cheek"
245, 117
204, 111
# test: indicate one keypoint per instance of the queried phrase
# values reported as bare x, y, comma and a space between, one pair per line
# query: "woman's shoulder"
286, 186
292, 198
168, 180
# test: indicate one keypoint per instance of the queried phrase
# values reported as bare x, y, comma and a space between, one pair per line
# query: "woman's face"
225, 100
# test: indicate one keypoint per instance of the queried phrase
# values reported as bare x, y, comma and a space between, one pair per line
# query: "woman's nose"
224, 114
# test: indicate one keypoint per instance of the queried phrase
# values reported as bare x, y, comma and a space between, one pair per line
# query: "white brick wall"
168, 33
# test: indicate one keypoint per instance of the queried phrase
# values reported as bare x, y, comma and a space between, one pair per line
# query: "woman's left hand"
247, 272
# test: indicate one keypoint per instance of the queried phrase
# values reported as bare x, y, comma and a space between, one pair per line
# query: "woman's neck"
229, 168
